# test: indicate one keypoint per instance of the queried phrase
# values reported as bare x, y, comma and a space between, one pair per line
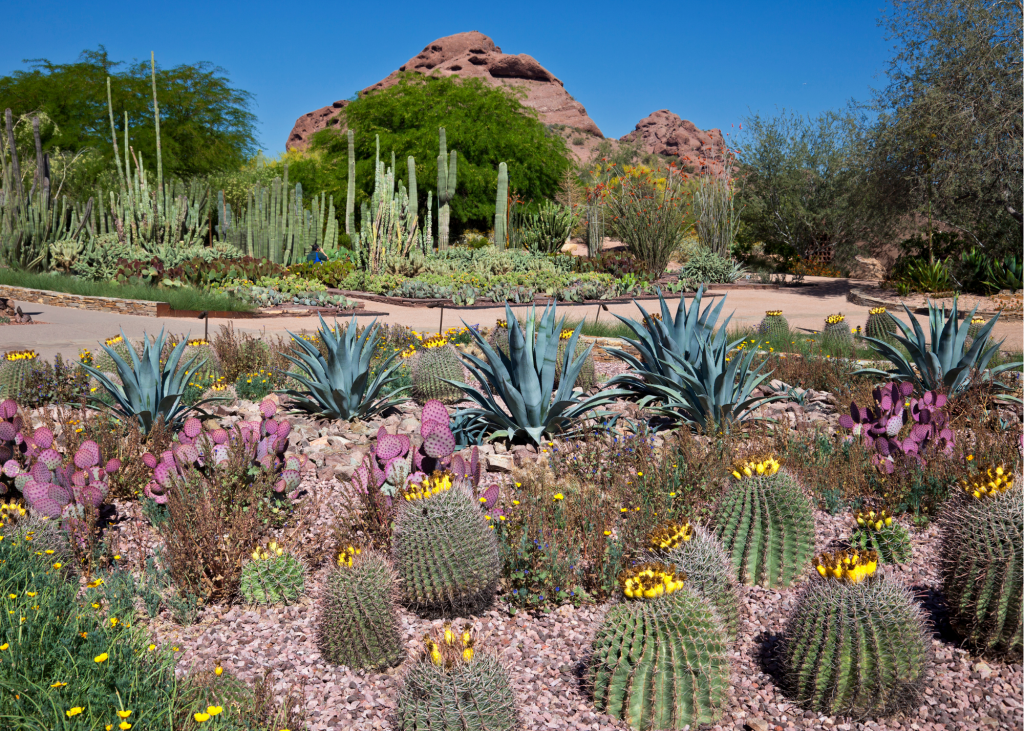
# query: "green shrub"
707, 267
329, 273
254, 386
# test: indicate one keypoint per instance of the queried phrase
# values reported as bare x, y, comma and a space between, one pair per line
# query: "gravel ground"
545, 656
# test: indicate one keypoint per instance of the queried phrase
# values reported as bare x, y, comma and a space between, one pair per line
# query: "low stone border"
857, 297
143, 308
448, 305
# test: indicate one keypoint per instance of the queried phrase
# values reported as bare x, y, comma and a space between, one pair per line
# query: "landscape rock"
867, 268
665, 133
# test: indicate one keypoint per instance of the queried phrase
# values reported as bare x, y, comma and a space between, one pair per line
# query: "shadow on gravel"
769, 656
937, 613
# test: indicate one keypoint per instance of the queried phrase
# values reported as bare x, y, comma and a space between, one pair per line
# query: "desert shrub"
711, 267
240, 353
125, 441
330, 273
255, 386
649, 213
616, 263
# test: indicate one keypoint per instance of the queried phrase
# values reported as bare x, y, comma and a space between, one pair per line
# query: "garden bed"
1007, 306
488, 304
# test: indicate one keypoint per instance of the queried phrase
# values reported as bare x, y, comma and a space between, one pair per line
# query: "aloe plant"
940, 362
337, 381
149, 389
523, 380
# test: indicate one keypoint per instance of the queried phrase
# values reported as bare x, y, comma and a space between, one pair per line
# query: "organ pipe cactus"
857, 643
501, 209
446, 179
765, 523
660, 658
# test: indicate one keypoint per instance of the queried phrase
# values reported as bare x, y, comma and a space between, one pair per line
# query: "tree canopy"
486, 125
206, 124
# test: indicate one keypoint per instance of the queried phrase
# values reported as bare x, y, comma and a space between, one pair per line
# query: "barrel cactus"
765, 524
588, 375
454, 685
498, 337
445, 550
660, 658
357, 624
877, 531
982, 558
837, 333
973, 328
692, 551
15, 370
432, 366
774, 326
880, 325
857, 643
104, 362
272, 576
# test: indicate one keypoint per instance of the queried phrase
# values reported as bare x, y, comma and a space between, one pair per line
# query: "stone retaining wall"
143, 308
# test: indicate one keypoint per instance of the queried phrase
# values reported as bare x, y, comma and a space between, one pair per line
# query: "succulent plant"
941, 362
445, 551
766, 524
773, 326
857, 643
498, 336
16, 369
272, 576
837, 332
880, 325
434, 369
339, 386
121, 346
661, 657
587, 376
455, 685
879, 532
983, 562
357, 623
697, 554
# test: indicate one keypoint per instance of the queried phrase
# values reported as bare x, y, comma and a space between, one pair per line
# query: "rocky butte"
474, 55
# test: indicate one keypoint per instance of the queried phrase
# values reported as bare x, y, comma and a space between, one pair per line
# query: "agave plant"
149, 389
337, 381
523, 381
940, 363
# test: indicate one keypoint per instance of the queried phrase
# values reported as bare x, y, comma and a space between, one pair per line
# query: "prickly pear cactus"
357, 624
857, 643
16, 368
765, 524
877, 531
437, 361
983, 562
454, 685
660, 658
588, 375
880, 325
773, 326
837, 332
272, 576
445, 550
697, 554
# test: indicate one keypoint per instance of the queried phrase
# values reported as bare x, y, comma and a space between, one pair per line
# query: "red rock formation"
664, 133
471, 55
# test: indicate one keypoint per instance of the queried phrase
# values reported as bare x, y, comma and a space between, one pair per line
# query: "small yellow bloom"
124, 726
30, 593
218, 670
214, 710
4, 646
151, 648
559, 496
124, 714
201, 717
72, 712
102, 657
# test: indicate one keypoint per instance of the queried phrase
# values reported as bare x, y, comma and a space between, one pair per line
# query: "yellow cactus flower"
650, 581
848, 566
668, 535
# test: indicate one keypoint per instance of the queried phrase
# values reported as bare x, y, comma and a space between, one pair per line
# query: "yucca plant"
338, 384
148, 389
524, 380
940, 362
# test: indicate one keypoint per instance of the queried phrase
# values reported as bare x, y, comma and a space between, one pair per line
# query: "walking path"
67, 331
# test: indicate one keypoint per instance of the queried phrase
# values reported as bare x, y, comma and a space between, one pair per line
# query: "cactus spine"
766, 524
357, 624
501, 208
436, 362
16, 368
877, 531
983, 564
446, 179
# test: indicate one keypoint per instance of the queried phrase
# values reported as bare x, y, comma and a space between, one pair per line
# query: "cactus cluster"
357, 624
444, 548
588, 375
773, 326
698, 554
983, 563
660, 658
766, 524
837, 332
267, 442
432, 367
878, 532
454, 685
856, 644
881, 325
16, 368
273, 576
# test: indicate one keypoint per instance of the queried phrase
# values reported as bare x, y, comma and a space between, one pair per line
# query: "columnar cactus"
454, 685
983, 562
698, 555
588, 375
660, 658
773, 326
837, 332
272, 576
501, 209
766, 524
444, 548
432, 368
880, 325
857, 643
446, 179
357, 624
878, 532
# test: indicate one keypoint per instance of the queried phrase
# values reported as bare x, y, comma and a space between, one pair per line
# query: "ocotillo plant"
501, 209
446, 179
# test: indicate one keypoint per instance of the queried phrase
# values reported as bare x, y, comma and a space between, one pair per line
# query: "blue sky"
711, 63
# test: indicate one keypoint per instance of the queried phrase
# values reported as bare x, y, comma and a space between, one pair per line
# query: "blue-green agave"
339, 386
940, 362
148, 389
524, 380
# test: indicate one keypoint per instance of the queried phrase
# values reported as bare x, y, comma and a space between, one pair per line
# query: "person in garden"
316, 255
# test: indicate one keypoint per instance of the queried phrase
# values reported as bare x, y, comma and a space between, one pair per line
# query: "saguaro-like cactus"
660, 658
350, 196
446, 179
501, 209
857, 643
983, 562
766, 524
